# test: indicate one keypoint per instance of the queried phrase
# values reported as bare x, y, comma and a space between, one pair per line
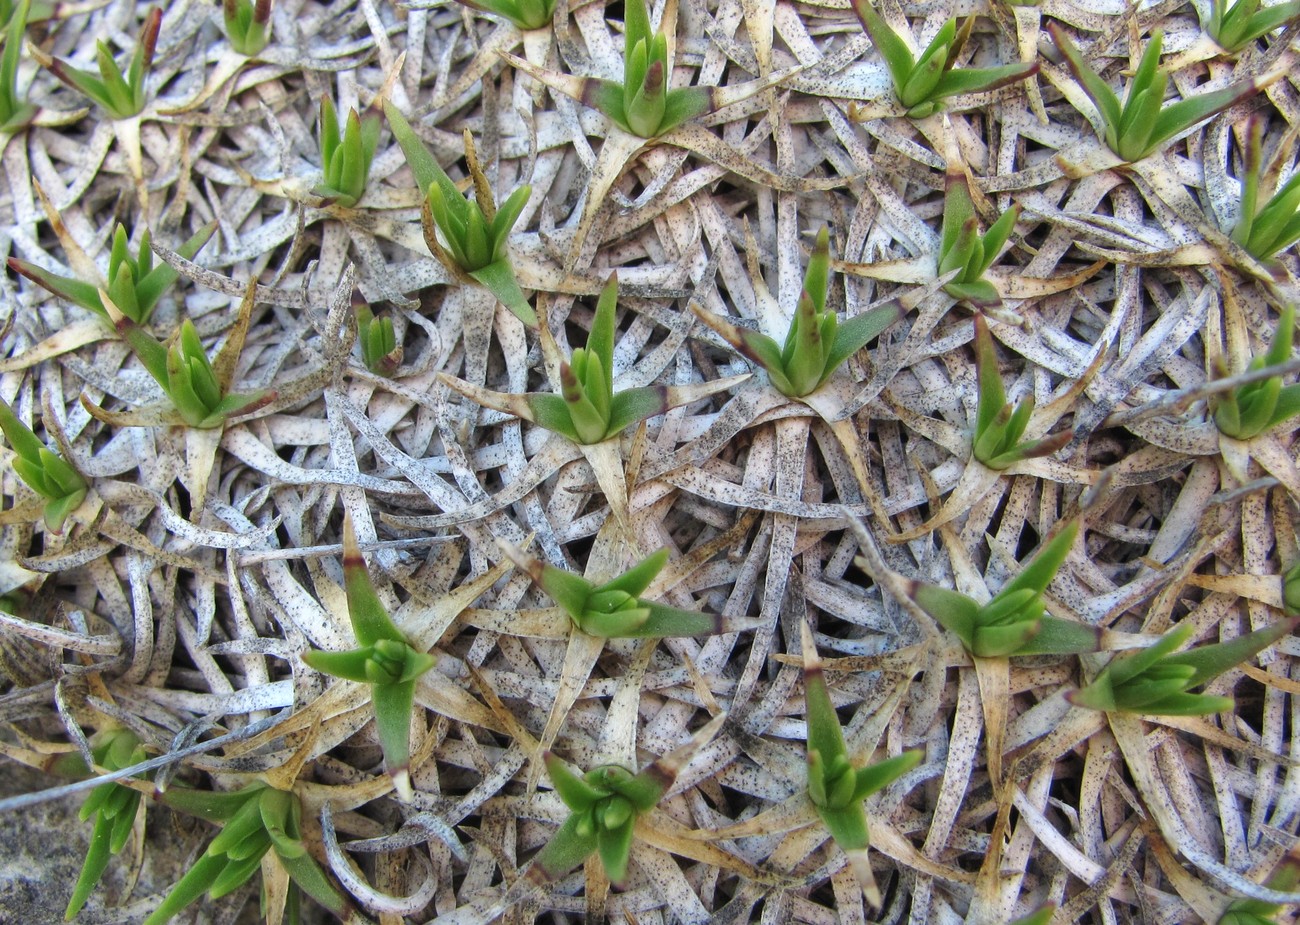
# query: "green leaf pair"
643, 104
835, 787
922, 84
1013, 622
525, 14
248, 25
15, 113
1236, 26
1155, 681
1143, 123
385, 660
1265, 228
134, 284
122, 96
346, 156
1249, 410
963, 248
45, 472
113, 806
616, 609
999, 425
257, 819
816, 343
379, 349
468, 238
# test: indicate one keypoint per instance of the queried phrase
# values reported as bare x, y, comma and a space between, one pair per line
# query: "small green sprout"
1140, 126
257, 819
963, 248
346, 156
816, 343
1156, 681
113, 806
134, 284
1257, 912
998, 424
615, 609
121, 95
835, 787
1013, 622
525, 14
469, 239
1249, 410
44, 471
248, 25
385, 660
1291, 590
922, 84
15, 112
1265, 228
379, 348
1038, 917
1236, 26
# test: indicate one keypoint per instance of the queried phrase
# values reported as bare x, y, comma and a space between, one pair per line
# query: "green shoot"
998, 424
1155, 681
816, 343
134, 284
525, 14
385, 660
379, 348
963, 248
835, 787
113, 806
346, 156
1257, 912
38, 11
1013, 622
922, 84
15, 113
44, 471
1266, 227
1140, 126
469, 239
1291, 590
121, 95
1038, 917
1236, 26
616, 609
248, 25
1249, 410
257, 819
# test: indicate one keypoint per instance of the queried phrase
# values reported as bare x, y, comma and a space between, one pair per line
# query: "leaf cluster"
964, 249
15, 112
379, 348
248, 25
525, 14
999, 425
1247, 411
346, 156
1235, 26
1266, 227
121, 95
45, 472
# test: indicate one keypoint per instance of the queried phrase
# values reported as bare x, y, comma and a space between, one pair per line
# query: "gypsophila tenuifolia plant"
835, 787
248, 24
468, 238
45, 472
1156, 681
999, 425
817, 343
346, 156
1265, 227
923, 83
121, 95
379, 348
256, 819
525, 14
606, 803
615, 609
113, 806
15, 112
134, 284
1246, 411
963, 248
1258, 912
1143, 123
1013, 622
1234, 25
385, 660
